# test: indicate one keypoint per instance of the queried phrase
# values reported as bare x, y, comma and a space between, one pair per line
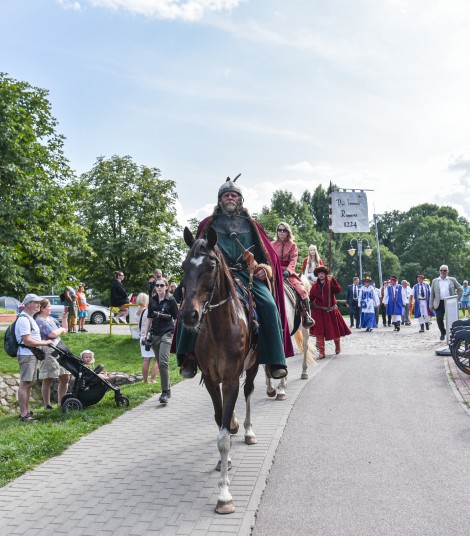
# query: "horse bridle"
207, 307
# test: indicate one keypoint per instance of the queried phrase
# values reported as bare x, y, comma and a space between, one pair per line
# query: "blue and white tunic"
394, 298
368, 301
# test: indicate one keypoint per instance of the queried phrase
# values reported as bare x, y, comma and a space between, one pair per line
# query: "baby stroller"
89, 388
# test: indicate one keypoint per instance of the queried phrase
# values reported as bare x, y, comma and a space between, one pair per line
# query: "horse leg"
281, 389
305, 336
213, 388
234, 426
224, 500
270, 389
248, 388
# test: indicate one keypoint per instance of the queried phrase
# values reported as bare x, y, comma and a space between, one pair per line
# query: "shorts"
82, 314
27, 367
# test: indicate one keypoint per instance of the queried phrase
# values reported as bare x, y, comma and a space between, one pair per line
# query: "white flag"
349, 213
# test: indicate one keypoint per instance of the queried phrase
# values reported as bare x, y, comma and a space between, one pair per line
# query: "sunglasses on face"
160, 285
444, 270
282, 230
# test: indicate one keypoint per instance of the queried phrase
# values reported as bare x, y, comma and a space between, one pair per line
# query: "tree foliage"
37, 222
129, 211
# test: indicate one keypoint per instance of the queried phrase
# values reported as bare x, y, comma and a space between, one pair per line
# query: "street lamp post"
352, 251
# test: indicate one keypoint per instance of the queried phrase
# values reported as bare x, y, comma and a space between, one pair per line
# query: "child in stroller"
89, 386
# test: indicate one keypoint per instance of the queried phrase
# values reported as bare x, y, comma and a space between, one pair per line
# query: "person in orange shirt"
82, 308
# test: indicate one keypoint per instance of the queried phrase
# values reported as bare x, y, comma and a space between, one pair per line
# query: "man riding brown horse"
274, 342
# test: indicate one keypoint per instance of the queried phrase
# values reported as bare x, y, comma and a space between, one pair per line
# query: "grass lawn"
23, 446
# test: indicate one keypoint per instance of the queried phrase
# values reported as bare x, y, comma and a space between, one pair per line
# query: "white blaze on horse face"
197, 261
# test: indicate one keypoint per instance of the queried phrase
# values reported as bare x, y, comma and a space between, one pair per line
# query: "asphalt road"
378, 445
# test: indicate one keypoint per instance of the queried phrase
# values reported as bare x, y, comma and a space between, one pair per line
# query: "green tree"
37, 222
130, 214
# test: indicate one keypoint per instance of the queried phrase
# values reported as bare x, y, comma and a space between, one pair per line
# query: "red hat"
420, 275
394, 278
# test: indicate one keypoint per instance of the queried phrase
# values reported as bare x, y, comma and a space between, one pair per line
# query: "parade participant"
310, 263
405, 317
394, 299
421, 296
274, 341
353, 301
288, 253
329, 324
383, 308
369, 302
443, 287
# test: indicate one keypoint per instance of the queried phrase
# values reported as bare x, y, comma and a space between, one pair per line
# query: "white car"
96, 313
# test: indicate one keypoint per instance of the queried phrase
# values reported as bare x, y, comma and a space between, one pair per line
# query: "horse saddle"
248, 304
294, 298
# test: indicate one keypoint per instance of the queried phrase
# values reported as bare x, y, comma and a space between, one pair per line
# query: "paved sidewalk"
460, 381
151, 471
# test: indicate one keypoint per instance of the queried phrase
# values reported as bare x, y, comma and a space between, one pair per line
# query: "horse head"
201, 272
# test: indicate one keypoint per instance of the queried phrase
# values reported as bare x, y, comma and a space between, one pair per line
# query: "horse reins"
207, 307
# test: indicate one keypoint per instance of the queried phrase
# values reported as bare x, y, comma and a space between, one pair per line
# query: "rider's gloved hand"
286, 273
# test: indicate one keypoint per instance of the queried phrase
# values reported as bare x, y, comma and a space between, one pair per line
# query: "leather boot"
337, 346
397, 326
307, 320
421, 329
321, 347
427, 325
189, 367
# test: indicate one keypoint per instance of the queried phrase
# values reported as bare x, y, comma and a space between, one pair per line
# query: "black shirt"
167, 306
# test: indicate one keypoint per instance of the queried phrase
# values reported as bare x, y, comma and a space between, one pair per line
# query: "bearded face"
230, 203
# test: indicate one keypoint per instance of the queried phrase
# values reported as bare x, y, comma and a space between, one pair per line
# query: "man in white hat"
28, 336
443, 287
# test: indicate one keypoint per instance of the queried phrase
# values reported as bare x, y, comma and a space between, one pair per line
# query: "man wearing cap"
329, 323
274, 341
394, 299
405, 317
353, 302
28, 336
443, 287
421, 297
368, 302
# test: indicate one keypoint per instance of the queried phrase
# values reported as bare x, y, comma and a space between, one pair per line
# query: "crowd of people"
157, 314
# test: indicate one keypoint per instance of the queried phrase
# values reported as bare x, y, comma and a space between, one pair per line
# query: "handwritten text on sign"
349, 212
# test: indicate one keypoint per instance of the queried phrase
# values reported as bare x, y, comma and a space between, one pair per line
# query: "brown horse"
222, 350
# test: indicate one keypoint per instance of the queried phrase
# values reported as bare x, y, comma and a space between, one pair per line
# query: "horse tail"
299, 341
305, 283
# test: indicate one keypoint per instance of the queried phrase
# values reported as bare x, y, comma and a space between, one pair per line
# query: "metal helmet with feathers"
230, 186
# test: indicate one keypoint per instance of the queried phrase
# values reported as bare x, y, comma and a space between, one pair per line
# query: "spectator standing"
465, 299
70, 303
443, 287
147, 355
161, 316
405, 317
157, 274
82, 308
421, 297
353, 301
49, 368
119, 297
329, 324
28, 336
394, 299
310, 263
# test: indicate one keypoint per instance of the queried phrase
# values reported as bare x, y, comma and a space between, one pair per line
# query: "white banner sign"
349, 213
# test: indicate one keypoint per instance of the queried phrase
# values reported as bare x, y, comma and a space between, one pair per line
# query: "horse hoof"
281, 396
233, 431
272, 393
225, 507
250, 440
229, 465
304, 376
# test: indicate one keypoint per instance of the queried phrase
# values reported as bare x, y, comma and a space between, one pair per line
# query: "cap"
393, 278
420, 275
31, 297
367, 278
319, 269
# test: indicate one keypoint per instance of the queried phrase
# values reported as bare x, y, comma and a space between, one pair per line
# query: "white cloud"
188, 10
70, 4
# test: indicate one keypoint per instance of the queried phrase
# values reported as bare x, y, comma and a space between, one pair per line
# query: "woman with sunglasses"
288, 253
162, 313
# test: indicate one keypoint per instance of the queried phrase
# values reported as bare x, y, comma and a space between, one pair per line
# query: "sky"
369, 94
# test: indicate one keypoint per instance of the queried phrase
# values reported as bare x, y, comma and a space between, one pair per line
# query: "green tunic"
270, 337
